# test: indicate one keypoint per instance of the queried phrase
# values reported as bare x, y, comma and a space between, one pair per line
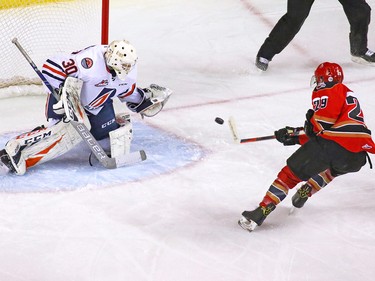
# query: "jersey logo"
104, 97
355, 113
367, 147
102, 83
34, 136
87, 63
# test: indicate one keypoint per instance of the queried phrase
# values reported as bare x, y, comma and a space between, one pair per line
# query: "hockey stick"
258, 139
30, 61
233, 129
82, 130
101, 155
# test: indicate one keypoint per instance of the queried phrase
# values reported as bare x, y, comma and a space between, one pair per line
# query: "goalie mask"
121, 57
327, 72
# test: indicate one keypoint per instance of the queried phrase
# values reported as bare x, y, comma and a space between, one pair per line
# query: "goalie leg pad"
120, 139
39, 146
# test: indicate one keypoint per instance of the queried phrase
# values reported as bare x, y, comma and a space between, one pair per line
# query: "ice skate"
303, 193
17, 164
5, 164
367, 58
251, 219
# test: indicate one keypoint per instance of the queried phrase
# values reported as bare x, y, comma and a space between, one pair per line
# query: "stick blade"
131, 158
233, 129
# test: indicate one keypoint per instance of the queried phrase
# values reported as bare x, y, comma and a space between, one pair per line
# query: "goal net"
44, 28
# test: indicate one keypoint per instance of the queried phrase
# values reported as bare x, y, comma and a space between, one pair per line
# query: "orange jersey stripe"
128, 93
54, 70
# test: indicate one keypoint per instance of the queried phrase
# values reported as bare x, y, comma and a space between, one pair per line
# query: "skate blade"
247, 225
362, 61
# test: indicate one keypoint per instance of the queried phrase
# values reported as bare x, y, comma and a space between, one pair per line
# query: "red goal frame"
105, 22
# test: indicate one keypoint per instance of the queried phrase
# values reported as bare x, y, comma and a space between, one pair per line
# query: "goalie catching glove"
154, 99
288, 135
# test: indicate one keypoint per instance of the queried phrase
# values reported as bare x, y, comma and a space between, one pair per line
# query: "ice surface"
182, 225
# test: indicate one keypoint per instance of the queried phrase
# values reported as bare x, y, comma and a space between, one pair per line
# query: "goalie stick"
80, 127
233, 129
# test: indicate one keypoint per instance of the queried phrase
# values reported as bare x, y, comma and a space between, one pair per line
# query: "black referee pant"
358, 13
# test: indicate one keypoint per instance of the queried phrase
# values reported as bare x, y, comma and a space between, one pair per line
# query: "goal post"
105, 21
45, 28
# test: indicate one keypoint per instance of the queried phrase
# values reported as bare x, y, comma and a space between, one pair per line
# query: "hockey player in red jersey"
102, 73
336, 142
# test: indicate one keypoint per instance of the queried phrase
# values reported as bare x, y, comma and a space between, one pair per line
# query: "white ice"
182, 225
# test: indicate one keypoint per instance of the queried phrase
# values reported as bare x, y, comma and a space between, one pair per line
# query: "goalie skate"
247, 225
5, 164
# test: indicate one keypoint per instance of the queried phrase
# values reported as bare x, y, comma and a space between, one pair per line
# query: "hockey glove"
58, 107
135, 107
288, 135
308, 127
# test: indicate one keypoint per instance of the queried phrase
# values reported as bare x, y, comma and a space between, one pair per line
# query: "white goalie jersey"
87, 87
89, 66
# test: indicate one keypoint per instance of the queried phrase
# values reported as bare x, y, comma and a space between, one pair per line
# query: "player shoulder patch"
87, 63
103, 83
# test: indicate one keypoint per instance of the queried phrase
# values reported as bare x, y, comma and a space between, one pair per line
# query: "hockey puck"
219, 120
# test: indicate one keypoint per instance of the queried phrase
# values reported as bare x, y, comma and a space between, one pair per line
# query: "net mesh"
43, 28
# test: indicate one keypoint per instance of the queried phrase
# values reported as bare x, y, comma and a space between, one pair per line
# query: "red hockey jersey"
338, 117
